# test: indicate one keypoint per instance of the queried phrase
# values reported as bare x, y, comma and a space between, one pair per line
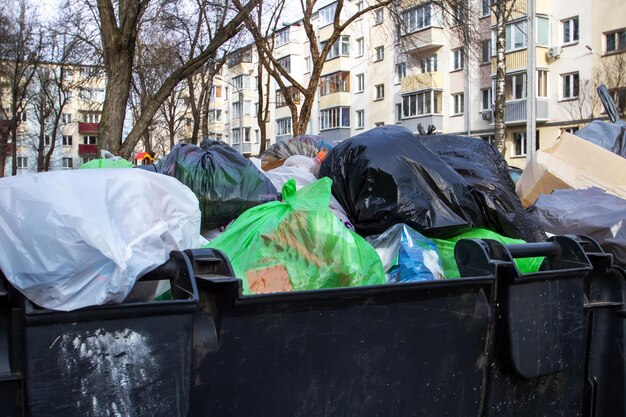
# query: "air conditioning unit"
487, 115
554, 52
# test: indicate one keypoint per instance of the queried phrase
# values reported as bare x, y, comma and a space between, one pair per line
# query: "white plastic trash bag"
71, 239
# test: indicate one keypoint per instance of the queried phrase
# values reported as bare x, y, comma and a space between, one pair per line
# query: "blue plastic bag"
407, 255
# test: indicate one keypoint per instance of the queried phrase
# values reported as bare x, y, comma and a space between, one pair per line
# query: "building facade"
412, 68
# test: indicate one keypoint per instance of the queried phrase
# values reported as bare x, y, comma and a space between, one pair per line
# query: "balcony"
423, 40
87, 150
421, 81
244, 148
516, 111
88, 128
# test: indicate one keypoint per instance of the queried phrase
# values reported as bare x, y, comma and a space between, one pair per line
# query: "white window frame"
360, 83
458, 104
482, 52
284, 127
400, 72
489, 92
428, 64
573, 27
620, 41
574, 84
380, 53
22, 162
416, 19
334, 118
65, 141
516, 38
360, 119
521, 137
486, 8
379, 92
90, 140
66, 118
67, 162
379, 16
458, 59
282, 37
360, 47
419, 103
327, 14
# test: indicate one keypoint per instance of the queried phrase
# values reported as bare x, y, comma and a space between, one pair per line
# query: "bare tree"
119, 33
21, 56
174, 114
301, 114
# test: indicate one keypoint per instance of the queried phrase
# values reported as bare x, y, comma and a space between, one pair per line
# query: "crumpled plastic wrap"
72, 239
407, 256
298, 244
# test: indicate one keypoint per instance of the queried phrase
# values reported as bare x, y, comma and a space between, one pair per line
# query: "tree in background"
342, 19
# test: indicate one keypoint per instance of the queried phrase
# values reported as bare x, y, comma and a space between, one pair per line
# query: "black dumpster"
131, 359
496, 343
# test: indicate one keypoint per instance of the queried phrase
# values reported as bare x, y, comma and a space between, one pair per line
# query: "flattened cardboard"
572, 162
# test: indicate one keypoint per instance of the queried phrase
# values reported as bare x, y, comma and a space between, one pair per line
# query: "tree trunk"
119, 73
41, 147
3, 156
206, 100
14, 150
499, 113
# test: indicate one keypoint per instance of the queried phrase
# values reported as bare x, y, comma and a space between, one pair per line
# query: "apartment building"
420, 72
78, 127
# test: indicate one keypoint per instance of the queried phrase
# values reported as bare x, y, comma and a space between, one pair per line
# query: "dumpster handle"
529, 250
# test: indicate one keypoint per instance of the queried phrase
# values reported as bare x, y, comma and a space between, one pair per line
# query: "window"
91, 118
360, 47
283, 126
400, 71
487, 98
543, 31
570, 86
398, 112
570, 30
486, 51
458, 102
327, 14
236, 133
67, 162
88, 158
360, 83
486, 8
67, 140
339, 48
359, 6
242, 81
516, 36
66, 118
380, 53
216, 91
215, 115
380, 91
515, 87
416, 19
570, 130
90, 140
490, 139
417, 104
291, 91
335, 118
285, 63
22, 162
46, 140
519, 144
307, 64
282, 37
360, 119
542, 83
240, 56
336, 82
459, 14
379, 15
616, 41
428, 64
457, 59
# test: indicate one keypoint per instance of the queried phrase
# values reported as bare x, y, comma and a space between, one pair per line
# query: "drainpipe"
531, 83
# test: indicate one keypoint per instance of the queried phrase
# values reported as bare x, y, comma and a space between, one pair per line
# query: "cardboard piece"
572, 162
269, 280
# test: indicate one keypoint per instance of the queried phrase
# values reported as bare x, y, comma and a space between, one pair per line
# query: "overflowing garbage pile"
578, 185
382, 207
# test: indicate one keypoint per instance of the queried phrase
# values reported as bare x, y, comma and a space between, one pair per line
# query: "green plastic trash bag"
445, 248
107, 160
106, 163
298, 244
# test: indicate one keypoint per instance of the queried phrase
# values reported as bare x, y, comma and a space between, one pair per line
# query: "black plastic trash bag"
610, 136
487, 174
226, 183
386, 176
591, 212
